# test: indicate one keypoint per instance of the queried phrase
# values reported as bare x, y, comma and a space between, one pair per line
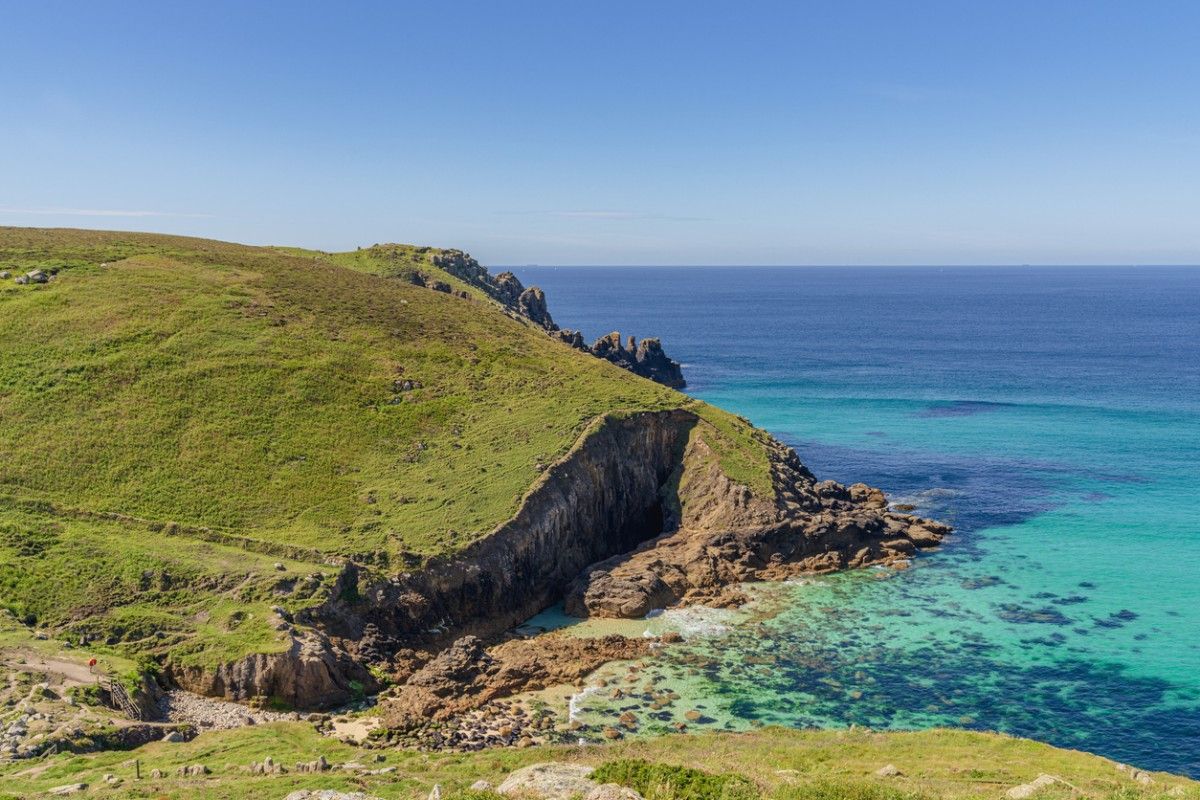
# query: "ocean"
1052, 415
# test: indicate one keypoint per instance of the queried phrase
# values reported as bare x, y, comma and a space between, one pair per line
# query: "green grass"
773, 764
201, 410
674, 782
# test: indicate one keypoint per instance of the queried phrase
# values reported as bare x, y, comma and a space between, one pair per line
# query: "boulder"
1026, 790
37, 276
889, 771
328, 794
69, 788
319, 764
549, 781
532, 305
193, 771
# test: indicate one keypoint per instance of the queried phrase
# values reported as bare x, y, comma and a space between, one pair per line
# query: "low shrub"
668, 782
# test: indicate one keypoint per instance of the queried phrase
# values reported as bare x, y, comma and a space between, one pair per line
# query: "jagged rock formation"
646, 359
728, 535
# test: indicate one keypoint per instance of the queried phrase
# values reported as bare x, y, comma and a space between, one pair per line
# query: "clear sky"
607, 132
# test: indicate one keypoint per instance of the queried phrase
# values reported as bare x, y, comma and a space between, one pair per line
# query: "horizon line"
852, 266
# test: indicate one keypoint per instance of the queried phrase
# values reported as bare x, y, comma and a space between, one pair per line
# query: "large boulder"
550, 781
532, 305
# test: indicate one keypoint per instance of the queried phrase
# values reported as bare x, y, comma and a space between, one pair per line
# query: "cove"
1050, 415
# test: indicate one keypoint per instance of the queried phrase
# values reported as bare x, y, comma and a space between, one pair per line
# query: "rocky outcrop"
531, 304
550, 781
728, 535
646, 359
504, 288
311, 672
466, 676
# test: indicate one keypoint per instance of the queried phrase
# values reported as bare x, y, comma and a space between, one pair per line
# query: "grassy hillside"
180, 414
774, 764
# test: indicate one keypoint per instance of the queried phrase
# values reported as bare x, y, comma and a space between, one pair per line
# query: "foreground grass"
774, 763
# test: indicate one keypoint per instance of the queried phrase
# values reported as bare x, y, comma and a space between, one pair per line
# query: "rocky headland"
646, 358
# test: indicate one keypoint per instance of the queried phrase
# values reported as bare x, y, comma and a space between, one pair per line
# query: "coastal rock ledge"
727, 535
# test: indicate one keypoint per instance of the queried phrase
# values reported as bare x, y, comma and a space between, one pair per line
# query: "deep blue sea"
1051, 414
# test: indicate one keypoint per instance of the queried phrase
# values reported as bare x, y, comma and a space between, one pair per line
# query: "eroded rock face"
602, 499
312, 672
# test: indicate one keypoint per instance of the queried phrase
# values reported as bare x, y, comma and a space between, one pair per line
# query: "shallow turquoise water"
1053, 416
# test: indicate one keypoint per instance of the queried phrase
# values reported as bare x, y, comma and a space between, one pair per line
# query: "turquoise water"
1053, 416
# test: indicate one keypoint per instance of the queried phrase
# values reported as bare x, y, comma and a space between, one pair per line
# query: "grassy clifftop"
772, 764
180, 414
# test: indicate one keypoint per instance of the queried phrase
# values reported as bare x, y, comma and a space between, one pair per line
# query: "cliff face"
312, 672
605, 497
638, 515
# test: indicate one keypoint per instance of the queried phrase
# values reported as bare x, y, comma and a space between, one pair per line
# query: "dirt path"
68, 673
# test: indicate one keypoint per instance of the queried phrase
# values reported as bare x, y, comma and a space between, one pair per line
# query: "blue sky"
616, 133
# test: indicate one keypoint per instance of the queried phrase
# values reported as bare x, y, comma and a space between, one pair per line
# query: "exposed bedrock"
728, 535
466, 676
311, 672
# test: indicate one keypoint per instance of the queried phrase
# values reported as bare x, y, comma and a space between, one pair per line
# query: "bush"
667, 782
